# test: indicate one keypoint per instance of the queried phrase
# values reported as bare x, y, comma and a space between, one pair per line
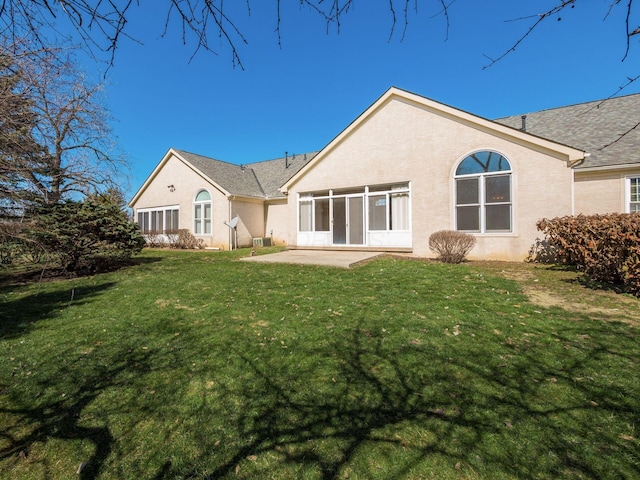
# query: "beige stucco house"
405, 168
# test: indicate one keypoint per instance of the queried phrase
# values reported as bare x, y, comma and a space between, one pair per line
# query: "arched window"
202, 213
483, 193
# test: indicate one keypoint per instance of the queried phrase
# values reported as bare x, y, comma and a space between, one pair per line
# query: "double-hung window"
483, 194
202, 213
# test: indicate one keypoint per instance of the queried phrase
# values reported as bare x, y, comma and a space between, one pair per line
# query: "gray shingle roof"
260, 179
603, 128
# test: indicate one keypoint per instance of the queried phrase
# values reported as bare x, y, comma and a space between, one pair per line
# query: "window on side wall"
158, 220
633, 195
202, 213
483, 194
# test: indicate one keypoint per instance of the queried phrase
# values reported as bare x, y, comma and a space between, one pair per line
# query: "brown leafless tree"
68, 146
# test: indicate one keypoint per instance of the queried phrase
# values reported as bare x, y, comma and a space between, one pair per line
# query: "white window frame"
482, 201
390, 236
203, 221
627, 194
155, 210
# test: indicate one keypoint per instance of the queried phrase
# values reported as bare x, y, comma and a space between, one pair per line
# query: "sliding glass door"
348, 220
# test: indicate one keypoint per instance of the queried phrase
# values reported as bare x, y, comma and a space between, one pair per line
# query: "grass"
195, 365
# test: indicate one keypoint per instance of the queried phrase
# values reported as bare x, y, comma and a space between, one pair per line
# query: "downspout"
573, 192
231, 197
572, 165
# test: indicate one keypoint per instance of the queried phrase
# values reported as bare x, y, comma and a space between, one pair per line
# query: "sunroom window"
483, 193
159, 220
314, 212
389, 210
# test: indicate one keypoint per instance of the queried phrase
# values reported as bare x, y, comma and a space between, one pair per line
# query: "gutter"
622, 166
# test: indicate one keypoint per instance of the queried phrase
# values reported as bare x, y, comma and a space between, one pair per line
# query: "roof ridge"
572, 105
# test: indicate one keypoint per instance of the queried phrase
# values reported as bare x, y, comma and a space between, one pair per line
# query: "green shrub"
605, 247
451, 246
88, 236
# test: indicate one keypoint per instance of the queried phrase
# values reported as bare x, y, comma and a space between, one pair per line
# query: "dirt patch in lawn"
550, 286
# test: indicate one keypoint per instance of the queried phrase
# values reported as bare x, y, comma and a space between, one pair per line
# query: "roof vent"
524, 123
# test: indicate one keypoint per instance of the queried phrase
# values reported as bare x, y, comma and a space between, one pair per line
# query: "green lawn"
196, 365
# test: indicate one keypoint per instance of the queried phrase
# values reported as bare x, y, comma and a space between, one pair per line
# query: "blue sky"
299, 96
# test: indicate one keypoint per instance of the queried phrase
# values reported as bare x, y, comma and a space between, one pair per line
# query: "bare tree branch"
67, 140
540, 18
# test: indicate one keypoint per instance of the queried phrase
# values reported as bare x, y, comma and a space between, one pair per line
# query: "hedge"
605, 247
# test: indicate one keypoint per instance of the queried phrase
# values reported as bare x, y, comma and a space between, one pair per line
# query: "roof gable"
570, 154
258, 180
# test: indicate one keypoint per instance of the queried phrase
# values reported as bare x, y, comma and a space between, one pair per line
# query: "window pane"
378, 212
140, 221
145, 222
175, 219
399, 211
635, 189
467, 191
197, 227
322, 215
498, 217
203, 196
483, 162
207, 226
207, 210
468, 219
498, 189
159, 226
305, 217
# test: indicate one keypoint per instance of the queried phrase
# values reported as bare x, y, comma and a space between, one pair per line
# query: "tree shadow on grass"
514, 413
60, 418
18, 316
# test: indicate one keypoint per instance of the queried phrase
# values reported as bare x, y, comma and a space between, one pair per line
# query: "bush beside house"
605, 247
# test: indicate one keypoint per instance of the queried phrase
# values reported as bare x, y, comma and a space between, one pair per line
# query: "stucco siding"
602, 192
402, 142
251, 220
276, 221
186, 183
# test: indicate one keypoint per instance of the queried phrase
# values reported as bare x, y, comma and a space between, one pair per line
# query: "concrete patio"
333, 258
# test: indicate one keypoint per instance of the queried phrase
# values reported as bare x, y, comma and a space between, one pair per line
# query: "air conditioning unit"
262, 242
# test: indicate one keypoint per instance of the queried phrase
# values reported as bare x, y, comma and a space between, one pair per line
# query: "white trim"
203, 219
163, 209
378, 238
623, 166
627, 191
482, 203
